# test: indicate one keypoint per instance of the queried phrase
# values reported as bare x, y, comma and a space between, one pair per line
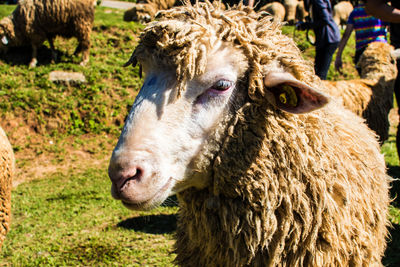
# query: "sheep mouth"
153, 201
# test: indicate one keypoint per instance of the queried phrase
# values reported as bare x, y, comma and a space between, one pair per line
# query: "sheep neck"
261, 202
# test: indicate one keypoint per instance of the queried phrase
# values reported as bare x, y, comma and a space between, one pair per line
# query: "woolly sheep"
301, 12
6, 174
371, 96
34, 21
268, 171
341, 12
290, 10
145, 11
276, 9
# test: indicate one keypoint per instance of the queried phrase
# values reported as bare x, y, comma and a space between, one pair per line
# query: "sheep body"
301, 12
277, 189
145, 11
34, 21
341, 12
6, 174
371, 96
276, 9
290, 10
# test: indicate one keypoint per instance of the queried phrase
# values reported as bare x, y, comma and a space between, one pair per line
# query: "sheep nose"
121, 175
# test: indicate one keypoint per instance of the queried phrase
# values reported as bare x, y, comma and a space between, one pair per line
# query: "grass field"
63, 135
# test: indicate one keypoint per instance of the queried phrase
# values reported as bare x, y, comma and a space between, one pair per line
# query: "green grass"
67, 217
98, 106
72, 220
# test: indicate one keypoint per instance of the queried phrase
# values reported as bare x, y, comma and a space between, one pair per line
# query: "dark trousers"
323, 58
397, 95
357, 58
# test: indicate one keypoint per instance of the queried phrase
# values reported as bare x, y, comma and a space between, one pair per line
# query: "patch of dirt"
39, 155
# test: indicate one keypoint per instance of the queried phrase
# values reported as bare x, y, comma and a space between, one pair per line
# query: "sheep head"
201, 65
140, 12
6, 33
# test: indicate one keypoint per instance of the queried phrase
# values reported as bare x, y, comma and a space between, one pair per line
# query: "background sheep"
6, 173
276, 9
145, 11
258, 184
290, 10
341, 12
301, 12
371, 96
34, 21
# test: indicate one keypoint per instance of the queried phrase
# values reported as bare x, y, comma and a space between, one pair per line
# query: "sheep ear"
132, 60
289, 94
4, 40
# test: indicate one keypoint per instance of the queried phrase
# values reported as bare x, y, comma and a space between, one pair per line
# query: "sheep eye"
222, 85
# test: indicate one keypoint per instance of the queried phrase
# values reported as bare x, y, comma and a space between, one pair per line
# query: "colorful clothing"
368, 29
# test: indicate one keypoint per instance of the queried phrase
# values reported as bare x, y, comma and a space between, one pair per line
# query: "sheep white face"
4, 41
163, 134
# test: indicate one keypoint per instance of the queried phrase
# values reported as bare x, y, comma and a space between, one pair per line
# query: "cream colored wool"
6, 174
341, 12
286, 190
290, 10
372, 96
276, 9
301, 12
141, 13
34, 21
145, 11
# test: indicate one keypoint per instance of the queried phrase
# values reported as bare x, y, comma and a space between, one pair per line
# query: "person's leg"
323, 59
397, 95
357, 58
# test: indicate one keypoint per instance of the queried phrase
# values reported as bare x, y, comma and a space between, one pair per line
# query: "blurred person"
327, 34
368, 29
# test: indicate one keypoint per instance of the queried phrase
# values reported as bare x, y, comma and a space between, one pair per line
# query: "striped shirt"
368, 29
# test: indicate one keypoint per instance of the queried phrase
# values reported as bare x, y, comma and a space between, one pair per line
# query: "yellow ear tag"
288, 96
282, 98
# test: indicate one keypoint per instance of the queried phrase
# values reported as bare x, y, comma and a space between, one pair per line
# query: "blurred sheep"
290, 10
145, 10
276, 9
371, 96
301, 12
341, 12
7, 167
34, 21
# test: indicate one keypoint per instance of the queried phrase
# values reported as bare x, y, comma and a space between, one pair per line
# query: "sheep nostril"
120, 175
137, 175
131, 175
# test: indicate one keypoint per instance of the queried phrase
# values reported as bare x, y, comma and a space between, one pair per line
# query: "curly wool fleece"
6, 173
286, 190
371, 96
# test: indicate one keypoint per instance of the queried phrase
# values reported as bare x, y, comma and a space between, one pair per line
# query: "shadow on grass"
394, 171
92, 252
171, 201
392, 253
152, 224
23, 55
